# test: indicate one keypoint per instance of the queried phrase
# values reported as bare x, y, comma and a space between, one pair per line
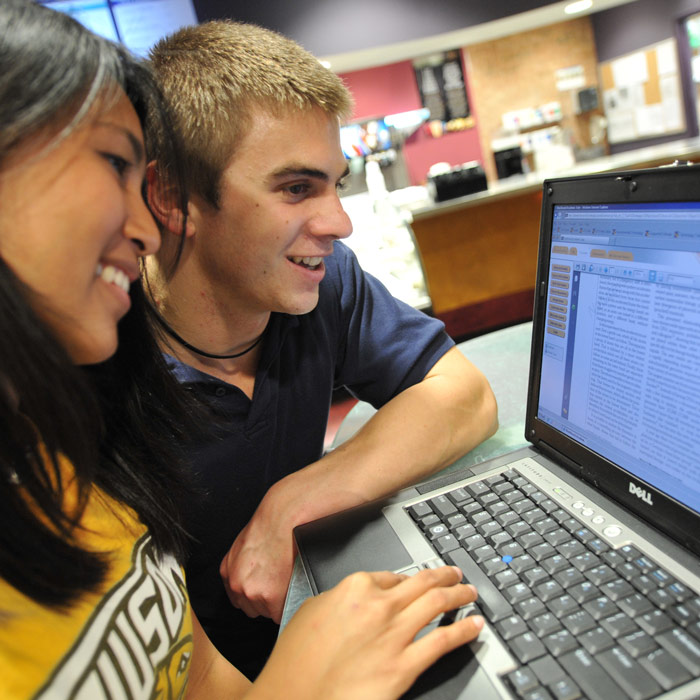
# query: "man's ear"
162, 200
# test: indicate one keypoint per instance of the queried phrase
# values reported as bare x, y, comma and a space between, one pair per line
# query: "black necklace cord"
164, 325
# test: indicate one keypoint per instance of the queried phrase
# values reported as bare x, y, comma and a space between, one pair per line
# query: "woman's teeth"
113, 275
307, 261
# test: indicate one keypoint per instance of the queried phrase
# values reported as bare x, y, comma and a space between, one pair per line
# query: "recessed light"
578, 6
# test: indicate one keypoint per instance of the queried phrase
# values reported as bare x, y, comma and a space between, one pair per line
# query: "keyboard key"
683, 647
644, 584
530, 539
522, 563
489, 529
493, 566
464, 531
523, 680
563, 605
481, 554
644, 564
548, 590
542, 551
569, 577
618, 589
419, 510
596, 640
442, 505
535, 575
459, 496
630, 552
545, 526
598, 546
505, 578
679, 591
454, 521
529, 608
512, 626
637, 643
507, 518
600, 574
560, 642
499, 538
534, 516
437, 531
510, 549
549, 506
667, 671
517, 592
473, 542
565, 689
571, 549
600, 607
589, 675
557, 537
544, 625
578, 622
583, 592
634, 605
618, 625
555, 563
547, 670
446, 544
526, 647
585, 561
682, 615
628, 674
477, 488
584, 534
522, 506
491, 601
655, 622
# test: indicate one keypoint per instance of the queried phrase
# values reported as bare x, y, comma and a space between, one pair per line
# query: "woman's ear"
164, 205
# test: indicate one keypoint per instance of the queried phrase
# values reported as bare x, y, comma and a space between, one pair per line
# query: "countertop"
683, 149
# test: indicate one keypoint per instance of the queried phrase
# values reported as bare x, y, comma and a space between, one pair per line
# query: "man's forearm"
422, 430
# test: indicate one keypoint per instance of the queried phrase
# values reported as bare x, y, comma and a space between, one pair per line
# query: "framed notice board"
642, 94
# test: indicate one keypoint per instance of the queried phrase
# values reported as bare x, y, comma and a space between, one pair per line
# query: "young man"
266, 313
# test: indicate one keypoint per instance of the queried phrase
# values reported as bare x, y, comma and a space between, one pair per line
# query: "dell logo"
640, 493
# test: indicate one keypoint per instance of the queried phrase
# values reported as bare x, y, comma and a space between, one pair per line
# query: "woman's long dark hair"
116, 422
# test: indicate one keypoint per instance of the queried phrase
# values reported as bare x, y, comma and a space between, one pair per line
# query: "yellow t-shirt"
133, 639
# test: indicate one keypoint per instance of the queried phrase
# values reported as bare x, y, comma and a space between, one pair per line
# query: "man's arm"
423, 429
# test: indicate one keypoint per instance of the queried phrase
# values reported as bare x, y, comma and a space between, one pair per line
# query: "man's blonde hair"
216, 74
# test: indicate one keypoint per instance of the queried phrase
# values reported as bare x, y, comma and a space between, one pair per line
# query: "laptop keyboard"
582, 620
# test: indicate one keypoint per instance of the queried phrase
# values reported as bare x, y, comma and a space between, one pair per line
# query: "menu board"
442, 87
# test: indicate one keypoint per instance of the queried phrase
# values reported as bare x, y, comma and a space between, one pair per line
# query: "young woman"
93, 601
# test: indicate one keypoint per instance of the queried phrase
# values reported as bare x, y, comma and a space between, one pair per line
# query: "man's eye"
342, 186
298, 189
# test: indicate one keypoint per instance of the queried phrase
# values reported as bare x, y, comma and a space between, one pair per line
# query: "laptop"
584, 545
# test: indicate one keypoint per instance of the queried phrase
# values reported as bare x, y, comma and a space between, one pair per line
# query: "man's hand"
257, 569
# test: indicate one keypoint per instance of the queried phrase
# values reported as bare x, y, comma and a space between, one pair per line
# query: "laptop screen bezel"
672, 184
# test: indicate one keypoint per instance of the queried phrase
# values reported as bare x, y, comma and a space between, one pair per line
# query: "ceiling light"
579, 6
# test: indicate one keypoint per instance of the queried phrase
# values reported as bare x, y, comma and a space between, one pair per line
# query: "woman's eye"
119, 164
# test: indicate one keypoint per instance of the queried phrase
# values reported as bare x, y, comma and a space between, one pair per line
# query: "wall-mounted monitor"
138, 24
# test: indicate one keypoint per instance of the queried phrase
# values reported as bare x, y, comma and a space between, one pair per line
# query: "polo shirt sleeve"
385, 345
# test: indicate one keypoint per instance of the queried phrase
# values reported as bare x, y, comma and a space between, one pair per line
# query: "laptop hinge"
574, 468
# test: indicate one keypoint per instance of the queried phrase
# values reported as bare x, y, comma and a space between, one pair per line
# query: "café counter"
479, 251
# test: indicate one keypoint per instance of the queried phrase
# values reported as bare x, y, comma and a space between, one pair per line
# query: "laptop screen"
620, 365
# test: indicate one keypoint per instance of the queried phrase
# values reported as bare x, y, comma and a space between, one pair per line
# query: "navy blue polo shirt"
359, 337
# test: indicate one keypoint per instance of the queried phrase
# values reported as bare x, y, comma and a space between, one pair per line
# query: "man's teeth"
113, 275
307, 261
